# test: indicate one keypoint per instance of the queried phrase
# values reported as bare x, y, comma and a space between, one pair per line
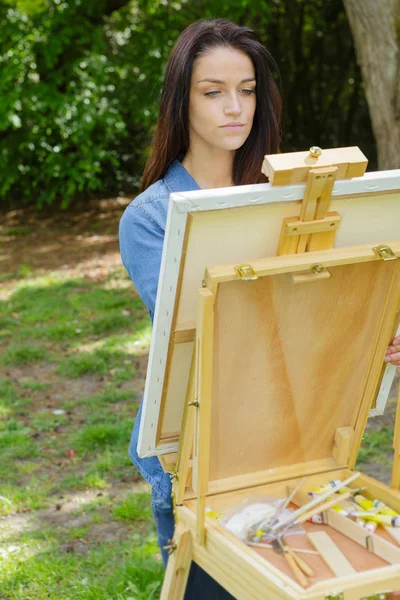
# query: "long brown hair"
171, 137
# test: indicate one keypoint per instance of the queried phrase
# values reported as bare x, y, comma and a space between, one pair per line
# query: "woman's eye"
248, 92
213, 93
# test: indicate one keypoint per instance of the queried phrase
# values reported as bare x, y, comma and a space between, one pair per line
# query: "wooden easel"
313, 230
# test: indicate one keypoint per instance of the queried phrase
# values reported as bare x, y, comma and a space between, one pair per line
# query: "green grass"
33, 495
103, 435
47, 421
20, 231
34, 385
17, 445
116, 571
376, 445
112, 395
101, 361
136, 507
24, 354
69, 343
56, 309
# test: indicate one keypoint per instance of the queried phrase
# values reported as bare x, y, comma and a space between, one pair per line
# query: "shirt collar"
177, 179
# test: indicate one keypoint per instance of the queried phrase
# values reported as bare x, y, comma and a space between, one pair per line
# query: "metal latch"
245, 272
384, 252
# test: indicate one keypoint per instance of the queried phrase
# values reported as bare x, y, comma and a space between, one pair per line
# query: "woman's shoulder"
150, 205
156, 191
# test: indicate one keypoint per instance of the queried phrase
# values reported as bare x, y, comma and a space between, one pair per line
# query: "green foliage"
80, 83
61, 123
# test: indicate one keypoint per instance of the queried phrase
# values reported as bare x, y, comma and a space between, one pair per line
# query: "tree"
376, 32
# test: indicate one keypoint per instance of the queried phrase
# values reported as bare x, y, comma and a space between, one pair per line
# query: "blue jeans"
200, 585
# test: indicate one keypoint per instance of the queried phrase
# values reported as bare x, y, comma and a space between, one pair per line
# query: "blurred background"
80, 82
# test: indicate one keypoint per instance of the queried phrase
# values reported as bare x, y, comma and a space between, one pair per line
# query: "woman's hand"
393, 352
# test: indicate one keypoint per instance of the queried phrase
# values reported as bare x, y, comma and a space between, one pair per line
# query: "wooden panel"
172, 412
293, 167
295, 226
288, 370
372, 219
331, 554
204, 352
342, 445
178, 565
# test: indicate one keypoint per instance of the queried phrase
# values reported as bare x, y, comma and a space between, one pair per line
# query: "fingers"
393, 352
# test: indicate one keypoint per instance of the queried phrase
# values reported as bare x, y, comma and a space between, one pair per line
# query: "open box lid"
219, 226
287, 360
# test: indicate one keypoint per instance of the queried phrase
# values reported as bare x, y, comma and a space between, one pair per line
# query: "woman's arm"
141, 243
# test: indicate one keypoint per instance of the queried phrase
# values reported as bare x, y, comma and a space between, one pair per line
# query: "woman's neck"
211, 170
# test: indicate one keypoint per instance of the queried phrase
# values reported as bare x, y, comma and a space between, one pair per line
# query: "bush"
80, 82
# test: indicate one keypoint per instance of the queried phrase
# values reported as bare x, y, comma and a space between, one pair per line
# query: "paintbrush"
322, 508
281, 507
290, 519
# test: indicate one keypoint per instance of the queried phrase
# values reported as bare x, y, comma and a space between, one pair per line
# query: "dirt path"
52, 240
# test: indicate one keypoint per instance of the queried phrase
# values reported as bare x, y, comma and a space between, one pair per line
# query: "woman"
219, 115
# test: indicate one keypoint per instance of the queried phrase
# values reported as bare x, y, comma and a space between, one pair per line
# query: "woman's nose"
233, 107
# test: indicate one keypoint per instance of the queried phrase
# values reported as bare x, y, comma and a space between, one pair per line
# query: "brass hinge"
245, 272
384, 252
174, 475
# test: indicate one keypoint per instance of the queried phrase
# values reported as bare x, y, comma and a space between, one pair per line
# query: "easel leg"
396, 447
177, 572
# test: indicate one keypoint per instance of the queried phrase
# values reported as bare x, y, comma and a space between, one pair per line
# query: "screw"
171, 546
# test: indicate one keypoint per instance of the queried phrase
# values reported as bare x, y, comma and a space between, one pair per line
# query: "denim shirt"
141, 237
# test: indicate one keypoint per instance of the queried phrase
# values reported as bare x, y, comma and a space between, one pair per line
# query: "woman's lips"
233, 126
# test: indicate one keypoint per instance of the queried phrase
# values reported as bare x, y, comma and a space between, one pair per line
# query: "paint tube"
361, 522
316, 519
340, 510
370, 526
382, 509
381, 519
364, 502
325, 488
